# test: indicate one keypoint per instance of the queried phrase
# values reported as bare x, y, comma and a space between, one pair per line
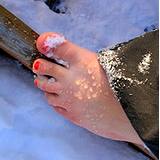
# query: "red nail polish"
36, 65
36, 82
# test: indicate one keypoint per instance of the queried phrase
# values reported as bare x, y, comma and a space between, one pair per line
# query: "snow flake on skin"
89, 88
53, 41
51, 80
50, 44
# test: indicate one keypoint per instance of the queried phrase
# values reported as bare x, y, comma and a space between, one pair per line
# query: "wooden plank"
18, 39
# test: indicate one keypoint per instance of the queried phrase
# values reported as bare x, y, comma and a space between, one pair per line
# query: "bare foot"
80, 90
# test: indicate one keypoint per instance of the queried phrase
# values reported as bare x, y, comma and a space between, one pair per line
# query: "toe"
48, 41
66, 114
61, 107
55, 46
54, 100
61, 111
44, 67
49, 85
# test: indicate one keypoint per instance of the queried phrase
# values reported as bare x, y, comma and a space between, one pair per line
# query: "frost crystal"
110, 61
144, 65
53, 41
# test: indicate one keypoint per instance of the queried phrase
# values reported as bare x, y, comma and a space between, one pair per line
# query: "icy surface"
29, 128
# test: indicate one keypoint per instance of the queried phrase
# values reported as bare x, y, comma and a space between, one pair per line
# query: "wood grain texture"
18, 39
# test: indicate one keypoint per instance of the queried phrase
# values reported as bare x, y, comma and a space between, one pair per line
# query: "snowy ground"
29, 128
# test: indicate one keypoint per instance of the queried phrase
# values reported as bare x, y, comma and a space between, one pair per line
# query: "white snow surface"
29, 127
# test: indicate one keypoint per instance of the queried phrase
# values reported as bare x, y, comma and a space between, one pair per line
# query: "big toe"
55, 46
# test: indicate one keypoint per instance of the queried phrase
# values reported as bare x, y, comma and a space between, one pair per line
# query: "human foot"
79, 90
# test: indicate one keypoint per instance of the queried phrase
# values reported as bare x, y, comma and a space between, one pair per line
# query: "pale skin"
81, 92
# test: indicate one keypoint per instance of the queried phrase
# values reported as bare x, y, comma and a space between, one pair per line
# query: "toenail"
36, 82
36, 65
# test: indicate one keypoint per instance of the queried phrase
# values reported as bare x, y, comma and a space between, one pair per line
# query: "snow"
29, 128
52, 42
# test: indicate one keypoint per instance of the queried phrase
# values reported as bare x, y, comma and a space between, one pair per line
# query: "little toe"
61, 111
66, 114
49, 85
54, 100
55, 46
44, 67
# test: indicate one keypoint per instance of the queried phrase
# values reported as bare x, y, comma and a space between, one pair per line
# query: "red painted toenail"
36, 65
36, 82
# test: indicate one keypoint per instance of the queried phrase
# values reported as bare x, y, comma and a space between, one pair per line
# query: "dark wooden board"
18, 39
